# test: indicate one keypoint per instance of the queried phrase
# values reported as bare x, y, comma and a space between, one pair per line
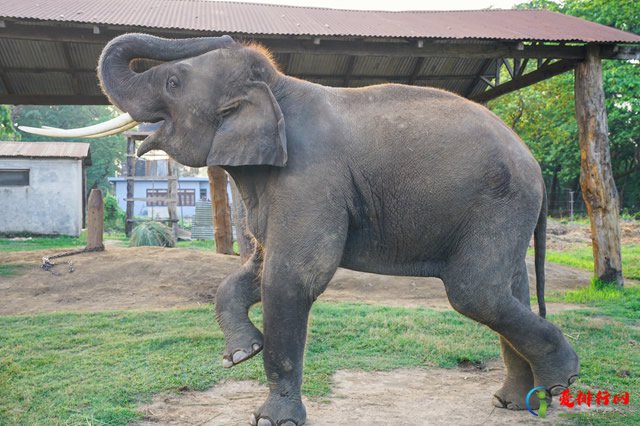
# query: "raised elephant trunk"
127, 88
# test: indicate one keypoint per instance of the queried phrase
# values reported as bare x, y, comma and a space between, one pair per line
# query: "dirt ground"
156, 278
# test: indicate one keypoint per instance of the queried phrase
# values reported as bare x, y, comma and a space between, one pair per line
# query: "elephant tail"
540, 248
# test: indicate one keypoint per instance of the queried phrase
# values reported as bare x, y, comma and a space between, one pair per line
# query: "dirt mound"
157, 278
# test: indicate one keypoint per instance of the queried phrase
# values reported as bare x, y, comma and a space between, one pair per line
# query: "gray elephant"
388, 179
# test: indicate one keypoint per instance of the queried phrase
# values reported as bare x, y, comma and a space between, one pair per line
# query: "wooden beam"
246, 244
596, 177
417, 67
351, 61
69, 61
526, 80
221, 211
480, 77
131, 171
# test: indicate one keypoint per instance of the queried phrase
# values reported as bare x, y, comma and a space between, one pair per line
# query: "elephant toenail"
227, 363
256, 347
265, 422
572, 379
556, 390
289, 423
253, 420
239, 356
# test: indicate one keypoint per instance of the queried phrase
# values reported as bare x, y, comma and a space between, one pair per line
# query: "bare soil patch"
433, 396
158, 278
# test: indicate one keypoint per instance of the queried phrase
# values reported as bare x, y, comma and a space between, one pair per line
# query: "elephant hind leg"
481, 290
237, 293
519, 378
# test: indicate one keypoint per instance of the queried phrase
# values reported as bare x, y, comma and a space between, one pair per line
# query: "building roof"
247, 18
49, 49
160, 179
75, 150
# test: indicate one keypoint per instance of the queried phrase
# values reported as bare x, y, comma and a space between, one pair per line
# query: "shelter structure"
42, 187
48, 54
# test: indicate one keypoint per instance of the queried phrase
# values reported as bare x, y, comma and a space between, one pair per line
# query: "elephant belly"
411, 256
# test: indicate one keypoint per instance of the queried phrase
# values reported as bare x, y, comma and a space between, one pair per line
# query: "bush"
152, 234
114, 216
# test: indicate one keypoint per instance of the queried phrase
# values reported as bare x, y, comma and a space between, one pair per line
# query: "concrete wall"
51, 204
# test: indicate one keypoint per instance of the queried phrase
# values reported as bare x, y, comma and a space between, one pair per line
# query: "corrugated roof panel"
44, 149
318, 64
25, 53
50, 83
383, 65
248, 18
83, 55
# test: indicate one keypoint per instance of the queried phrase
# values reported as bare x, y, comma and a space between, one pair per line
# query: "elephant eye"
172, 82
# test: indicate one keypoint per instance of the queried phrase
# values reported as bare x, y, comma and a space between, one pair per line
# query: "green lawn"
94, 368
582, 257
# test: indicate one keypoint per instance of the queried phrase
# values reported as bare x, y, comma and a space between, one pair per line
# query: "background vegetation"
544, 115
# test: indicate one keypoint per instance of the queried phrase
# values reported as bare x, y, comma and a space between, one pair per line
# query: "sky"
397, 4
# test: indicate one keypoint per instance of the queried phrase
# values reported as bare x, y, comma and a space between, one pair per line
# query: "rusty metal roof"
263, 19
76, 150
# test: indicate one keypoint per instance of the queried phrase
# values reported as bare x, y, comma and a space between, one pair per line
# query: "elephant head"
212, 95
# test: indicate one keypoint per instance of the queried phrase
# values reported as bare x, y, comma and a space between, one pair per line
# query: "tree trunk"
95, 221
596, 177
221, 210
244, 237
172, 195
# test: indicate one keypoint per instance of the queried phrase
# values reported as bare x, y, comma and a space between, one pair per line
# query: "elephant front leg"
234, 297
291, 281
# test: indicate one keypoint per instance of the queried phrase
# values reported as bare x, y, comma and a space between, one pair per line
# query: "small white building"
42, 187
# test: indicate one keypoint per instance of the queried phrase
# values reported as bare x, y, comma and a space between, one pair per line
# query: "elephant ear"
252, 131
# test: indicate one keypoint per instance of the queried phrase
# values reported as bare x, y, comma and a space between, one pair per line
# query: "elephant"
389, 179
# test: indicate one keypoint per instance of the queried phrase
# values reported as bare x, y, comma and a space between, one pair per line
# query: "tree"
7, 132
543, 114
107, 154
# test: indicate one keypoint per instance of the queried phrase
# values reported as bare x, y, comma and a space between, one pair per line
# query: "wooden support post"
95, 226
131, 171
244, 237
172, 195
221, 210
596, 177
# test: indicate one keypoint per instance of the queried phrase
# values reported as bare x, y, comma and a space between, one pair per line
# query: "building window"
203, 194
186, 197
14, 177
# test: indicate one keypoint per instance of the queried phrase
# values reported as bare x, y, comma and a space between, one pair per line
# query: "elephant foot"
512, 395
280, 411
242, 348
558, 372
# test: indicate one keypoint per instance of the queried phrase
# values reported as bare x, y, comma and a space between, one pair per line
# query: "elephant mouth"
116, 125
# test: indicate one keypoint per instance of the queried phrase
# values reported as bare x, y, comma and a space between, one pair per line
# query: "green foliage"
114, 216
152, 234
7, 131
543, 114
107, 154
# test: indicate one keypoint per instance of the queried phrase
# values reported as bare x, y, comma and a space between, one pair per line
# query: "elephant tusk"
116, 125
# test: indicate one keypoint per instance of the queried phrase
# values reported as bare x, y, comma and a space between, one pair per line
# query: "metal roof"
231, 17
49, 49
75, 150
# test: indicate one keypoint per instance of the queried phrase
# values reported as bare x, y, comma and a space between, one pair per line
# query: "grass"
9, 270
582, 257
95, 368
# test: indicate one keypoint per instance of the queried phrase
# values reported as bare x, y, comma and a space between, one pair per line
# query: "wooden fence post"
596, 177
244, 237
95, 221
172, 195
221, 210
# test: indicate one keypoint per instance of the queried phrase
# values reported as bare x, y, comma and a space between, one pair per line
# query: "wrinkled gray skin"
388, 179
